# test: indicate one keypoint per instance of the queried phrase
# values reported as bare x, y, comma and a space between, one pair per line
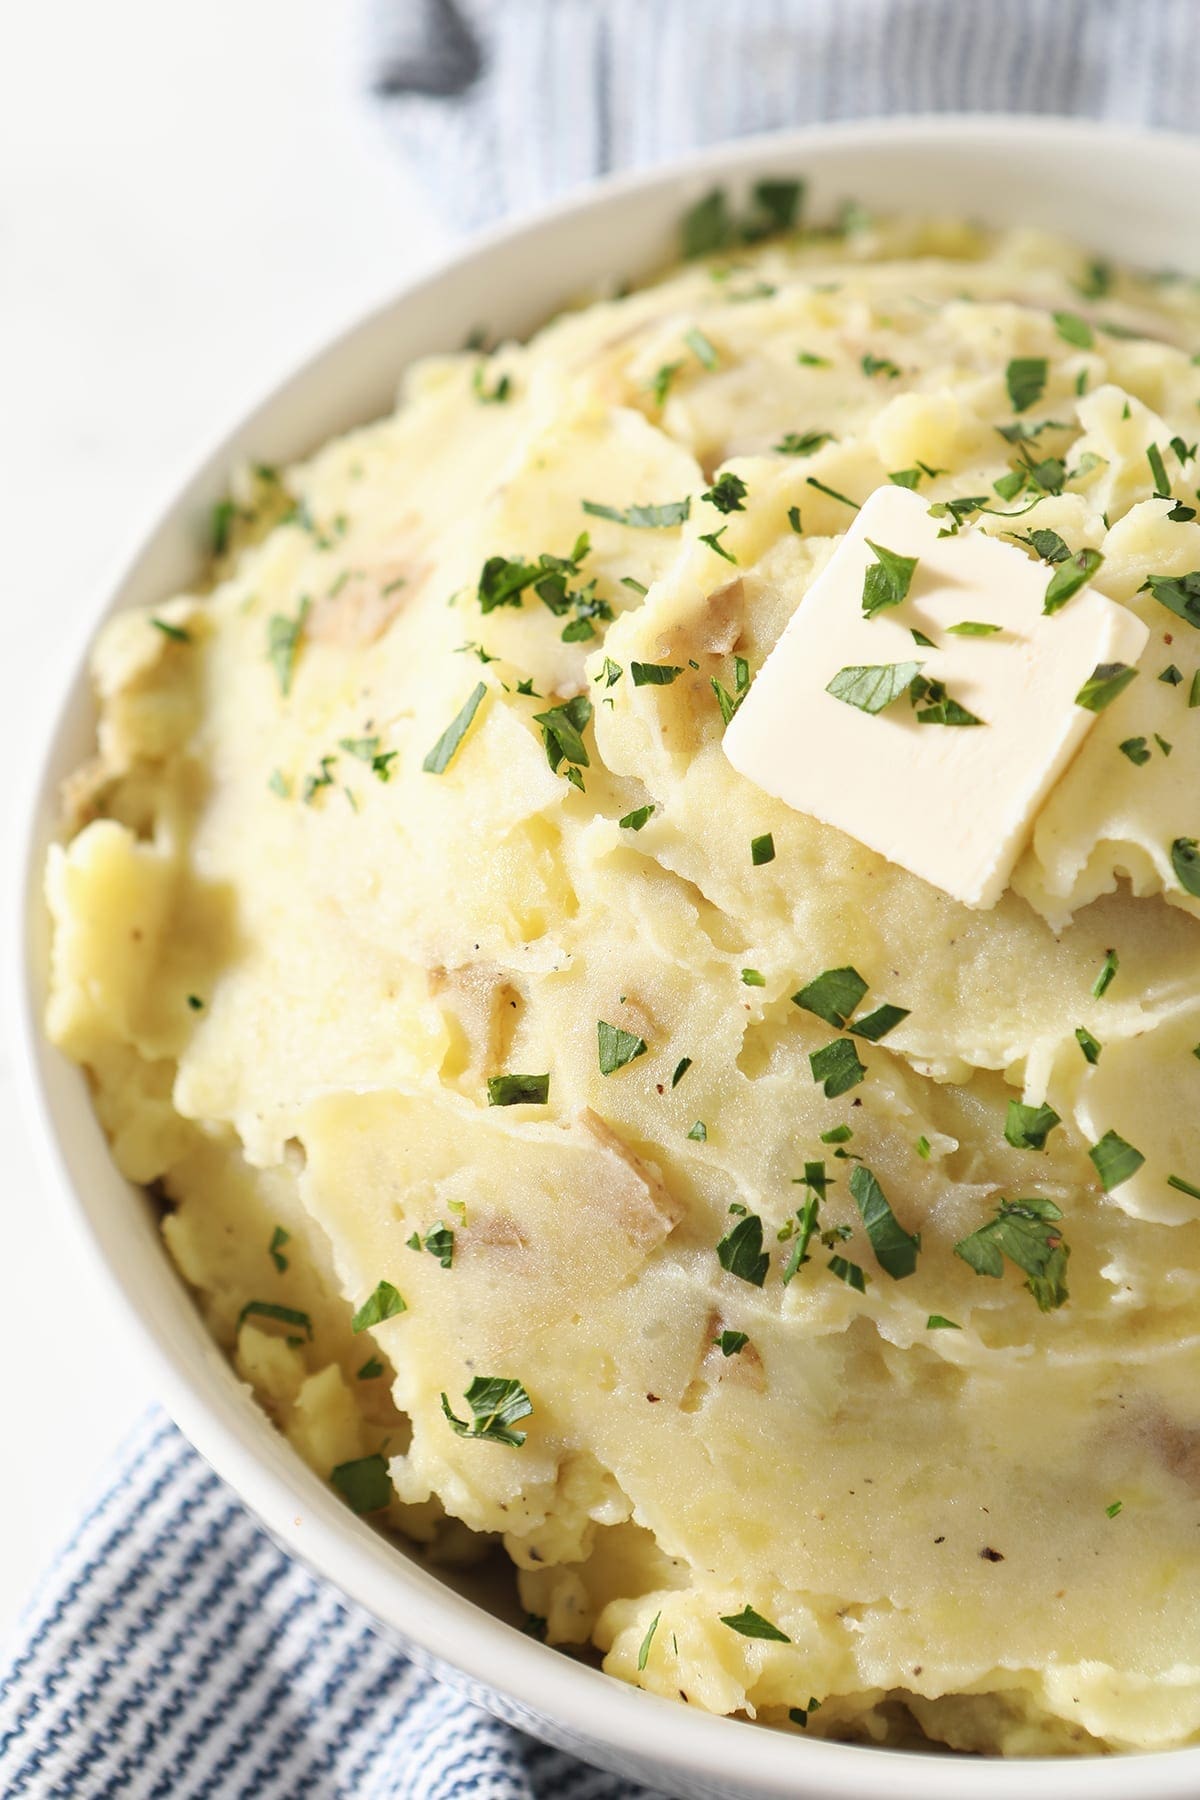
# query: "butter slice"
955, 805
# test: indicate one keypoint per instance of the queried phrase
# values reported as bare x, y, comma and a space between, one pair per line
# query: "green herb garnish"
936, 1322
1185, 860
279, 1237
1108, 969
496, 1403
1026, 381
762, 849
741, 1251
871, 687
887, 580
681, 1069
751, 1624
1070, 575
1028, 1127
364, 1484
1136, 749
648, 517
644, 1652
730, 1342
1103, 685
283, 640
1114, 1160
282, 1315
1090, 1046
1026, 1231
384, 1303
440, 757
837, 1067
633, 821
895, 1249
1074, 330
616, 1047
518, 1090
654, 674
802, 443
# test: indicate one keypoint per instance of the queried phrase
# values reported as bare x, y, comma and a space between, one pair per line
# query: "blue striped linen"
174, 1652
500, 103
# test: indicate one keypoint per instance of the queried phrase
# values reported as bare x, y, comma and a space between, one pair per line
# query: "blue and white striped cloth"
173, 1652
500, 103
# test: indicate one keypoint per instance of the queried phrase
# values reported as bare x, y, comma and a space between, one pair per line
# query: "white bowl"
1129, 195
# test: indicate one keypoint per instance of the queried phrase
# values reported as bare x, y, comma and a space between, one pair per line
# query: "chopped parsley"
1111, 1511
1136, 749
220, 523
730, 1342
751, 1624
802, 443
701, 347
799, 1714
681, 1069
384, 1303
1185, 860
937, 1322
1114, 1160
440, 757
1074, 330
873, 686
973, 628
364, 1484
1026, 380
699, 1132
1171, 675
647, 517
282, 1315
727, 493
660, 386
279, 1237
833, 996
283, 641
654, 674
644, 1652
1103, 685
887, 580
849, 1272
1027, 1232
837, 1067
562, 734
728, 702
753, 978
1071, 573
496, 1403
616, 1048
812, 482
439, 1241
941, 707
895, 1249
794, 520
371, 1370
176, 633
1090, 1046
1028, 1127
879, 365
518, 1090
633, 821
1108, 969
762, 849
808, 360
1180, 594
494, 396
741, 1251
1183, 1187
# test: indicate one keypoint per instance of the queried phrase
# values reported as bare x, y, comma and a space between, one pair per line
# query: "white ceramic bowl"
1129, 195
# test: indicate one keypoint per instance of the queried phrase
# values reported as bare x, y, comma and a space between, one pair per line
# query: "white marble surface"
190, 198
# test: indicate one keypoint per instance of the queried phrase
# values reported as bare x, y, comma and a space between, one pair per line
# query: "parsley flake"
364, 1484
1026, 1231
1070, 575
836, 1067
282, 1315
1074, 330
1136, 749
1185, 860
973, 628
937, 1322
371, 1370
849, 1272
1180, 594
1028, 1127
633, 821
176, 633
681, 1069
654, 674
1026, 380
440, 757
1103, 685
802, 443
616, 1048
730, 1342
1114, 1160
887, 580
562, 732
699, 1132
1108, 969
833, 995
518, 1090
751, 1624
762, 849
873, 686
283, 642
895, 1249
644, 1652
384, 1303
496, 1403
648, 517
1090, 1046
727, 494
279, 1237
741, 1251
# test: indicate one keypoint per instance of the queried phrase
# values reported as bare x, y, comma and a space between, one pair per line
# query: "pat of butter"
955, 805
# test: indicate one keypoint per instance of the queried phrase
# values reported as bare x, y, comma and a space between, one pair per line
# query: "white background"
191, 198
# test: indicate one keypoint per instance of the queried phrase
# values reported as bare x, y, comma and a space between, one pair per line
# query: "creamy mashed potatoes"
427, 954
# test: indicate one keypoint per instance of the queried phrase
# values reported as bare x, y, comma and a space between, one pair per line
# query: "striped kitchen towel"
173, 1652
501, 103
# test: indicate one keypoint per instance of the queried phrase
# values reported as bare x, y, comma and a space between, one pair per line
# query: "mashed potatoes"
427, 954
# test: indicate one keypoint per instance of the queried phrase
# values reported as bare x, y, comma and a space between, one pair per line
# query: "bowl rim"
402, 1597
